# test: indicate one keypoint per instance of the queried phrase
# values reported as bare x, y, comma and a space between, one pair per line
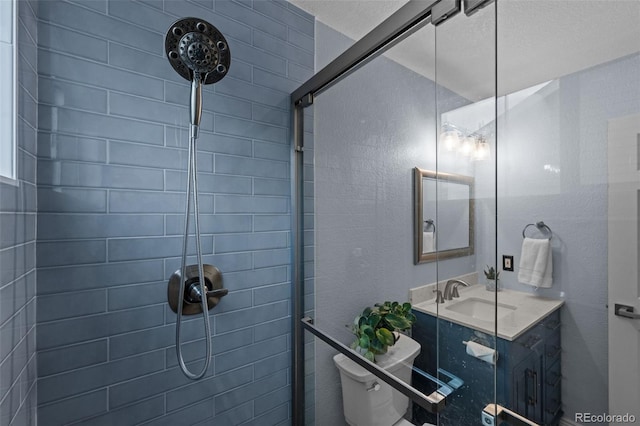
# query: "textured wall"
18, 244
565, 126
111, 171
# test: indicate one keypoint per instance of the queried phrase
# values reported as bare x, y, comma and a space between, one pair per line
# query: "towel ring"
429, 223
542, 227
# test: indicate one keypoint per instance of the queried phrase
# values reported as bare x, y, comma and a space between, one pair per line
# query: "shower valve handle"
193, 294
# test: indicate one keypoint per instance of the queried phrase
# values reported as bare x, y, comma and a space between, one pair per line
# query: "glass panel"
569, 116
465, 329
370, 131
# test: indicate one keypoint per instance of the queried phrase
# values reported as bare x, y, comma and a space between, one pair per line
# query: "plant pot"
492, 285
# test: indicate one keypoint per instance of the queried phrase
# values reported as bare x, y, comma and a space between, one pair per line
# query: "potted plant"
492, 278
375, 327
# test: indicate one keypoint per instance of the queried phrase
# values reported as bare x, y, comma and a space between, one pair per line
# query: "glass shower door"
393, 216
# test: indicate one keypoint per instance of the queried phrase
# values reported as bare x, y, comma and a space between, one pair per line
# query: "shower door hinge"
444, 10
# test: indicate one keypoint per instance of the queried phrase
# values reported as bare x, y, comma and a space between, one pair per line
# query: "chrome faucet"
451, 288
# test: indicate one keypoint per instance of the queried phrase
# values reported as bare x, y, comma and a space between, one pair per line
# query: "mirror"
448, 231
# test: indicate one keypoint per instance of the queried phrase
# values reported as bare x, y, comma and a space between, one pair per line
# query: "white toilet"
367, 400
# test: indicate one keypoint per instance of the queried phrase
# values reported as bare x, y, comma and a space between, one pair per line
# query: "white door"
624, 288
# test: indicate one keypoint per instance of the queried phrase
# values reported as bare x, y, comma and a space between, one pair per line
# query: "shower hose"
192, 180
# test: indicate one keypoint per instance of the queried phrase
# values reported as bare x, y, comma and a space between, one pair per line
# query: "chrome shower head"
196, 48
200, 54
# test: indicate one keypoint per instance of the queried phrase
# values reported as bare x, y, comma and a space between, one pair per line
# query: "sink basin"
480, 309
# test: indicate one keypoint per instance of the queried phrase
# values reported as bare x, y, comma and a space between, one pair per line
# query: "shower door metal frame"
401, 24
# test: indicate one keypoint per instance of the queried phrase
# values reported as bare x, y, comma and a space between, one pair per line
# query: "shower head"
200, 54
196, 48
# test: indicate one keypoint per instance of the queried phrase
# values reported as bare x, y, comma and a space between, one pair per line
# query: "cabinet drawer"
551, 323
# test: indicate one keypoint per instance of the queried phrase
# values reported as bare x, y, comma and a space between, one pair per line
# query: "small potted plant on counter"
492, 278
377, 328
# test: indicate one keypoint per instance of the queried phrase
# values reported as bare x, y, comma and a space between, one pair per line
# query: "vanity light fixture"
467, 144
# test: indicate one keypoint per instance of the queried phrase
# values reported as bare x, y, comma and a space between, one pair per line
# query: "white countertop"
517, 311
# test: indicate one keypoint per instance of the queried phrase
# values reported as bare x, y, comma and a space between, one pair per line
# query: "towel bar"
541, 227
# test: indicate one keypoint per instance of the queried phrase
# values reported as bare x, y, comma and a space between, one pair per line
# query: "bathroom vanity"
528, 369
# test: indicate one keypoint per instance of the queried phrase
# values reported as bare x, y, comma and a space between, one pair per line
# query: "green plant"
491, 273
375, 326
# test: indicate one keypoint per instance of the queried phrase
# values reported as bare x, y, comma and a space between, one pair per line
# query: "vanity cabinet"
527, 374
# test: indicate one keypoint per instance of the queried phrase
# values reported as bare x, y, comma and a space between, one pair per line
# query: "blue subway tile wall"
112, 137
18, 397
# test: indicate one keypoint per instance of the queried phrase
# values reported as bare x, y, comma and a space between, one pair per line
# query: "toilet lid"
404, 422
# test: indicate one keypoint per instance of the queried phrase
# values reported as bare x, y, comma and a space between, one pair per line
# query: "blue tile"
99, 25
255, 278
211, 224
64, 332
64, 147
295, 18
97, 376
272, 364
254, 93
270, 258
147, 156
63, 253
65, 173
72, 357
142, 341
249, 242
248, 317
179, 94
250, 129
234, 416
14, 296
271, 329
268, 222
84, 277
231, 29
19, 228
148, 109
190, 415
146, 202
151, 248
256, 57
270, 294
140, 14
16, 261
275, 116
132, 296
70, 410
274, 399
101, 126
275, 417
301, 40
284, 49
73, 226
271, 187
250, 17
245, 393
98, 75
68, 305
246, 204
72, 42
207, 388
146, 386
134, 414
209, 183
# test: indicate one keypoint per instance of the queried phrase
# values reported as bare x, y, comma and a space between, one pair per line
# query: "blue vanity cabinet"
527, 373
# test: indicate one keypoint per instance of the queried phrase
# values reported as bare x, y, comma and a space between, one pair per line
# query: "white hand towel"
536, 265
428, 242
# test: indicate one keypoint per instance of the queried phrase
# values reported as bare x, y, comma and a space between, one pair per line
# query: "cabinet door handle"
533, 375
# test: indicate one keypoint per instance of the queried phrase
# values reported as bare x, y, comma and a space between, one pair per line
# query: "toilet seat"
404, 422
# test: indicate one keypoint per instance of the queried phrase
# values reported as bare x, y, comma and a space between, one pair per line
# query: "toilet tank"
366, 404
